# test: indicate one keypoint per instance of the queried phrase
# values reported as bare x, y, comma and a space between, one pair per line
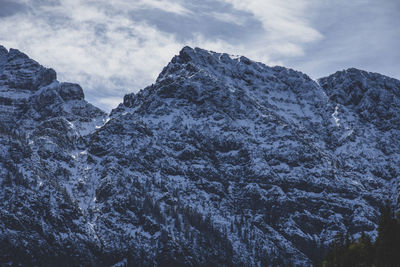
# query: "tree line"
364, 252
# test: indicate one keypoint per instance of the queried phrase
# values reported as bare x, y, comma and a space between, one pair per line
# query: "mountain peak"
20, 72
202, 56
187, 53
374, 96
193, 55
214, 81
15, 53
220, 150
353, 80
3, 52
30, 91
195, 60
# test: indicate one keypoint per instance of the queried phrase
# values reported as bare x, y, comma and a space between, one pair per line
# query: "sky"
116, 47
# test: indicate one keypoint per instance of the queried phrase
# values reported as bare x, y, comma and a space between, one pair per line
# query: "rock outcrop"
222, 161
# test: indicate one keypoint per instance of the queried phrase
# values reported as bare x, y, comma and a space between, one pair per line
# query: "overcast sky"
116, 47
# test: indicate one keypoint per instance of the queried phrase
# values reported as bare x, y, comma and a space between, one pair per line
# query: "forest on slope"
383, 252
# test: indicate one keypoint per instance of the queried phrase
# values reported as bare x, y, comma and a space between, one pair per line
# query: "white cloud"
286, 23
226, 17
124, 58
165, 5
172, 6
110, 102
116, 47
98, 45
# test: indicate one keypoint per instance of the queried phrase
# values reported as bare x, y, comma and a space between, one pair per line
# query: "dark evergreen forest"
364, 252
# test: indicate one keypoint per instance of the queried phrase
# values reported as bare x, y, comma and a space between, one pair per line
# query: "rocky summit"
223, 161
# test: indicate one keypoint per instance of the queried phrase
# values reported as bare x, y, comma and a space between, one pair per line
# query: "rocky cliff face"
43, 122
222, 161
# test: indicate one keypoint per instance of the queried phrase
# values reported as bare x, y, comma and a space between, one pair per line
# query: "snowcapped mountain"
222, 161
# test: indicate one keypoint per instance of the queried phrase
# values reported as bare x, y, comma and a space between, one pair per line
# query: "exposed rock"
223, 161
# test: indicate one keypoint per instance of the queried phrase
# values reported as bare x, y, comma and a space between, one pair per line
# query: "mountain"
43, 123
223, 161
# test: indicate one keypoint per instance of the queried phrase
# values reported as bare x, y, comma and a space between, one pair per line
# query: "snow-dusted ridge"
222, 161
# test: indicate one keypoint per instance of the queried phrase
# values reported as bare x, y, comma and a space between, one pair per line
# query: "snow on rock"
222, 161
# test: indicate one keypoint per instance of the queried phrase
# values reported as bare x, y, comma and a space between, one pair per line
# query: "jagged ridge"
222, 161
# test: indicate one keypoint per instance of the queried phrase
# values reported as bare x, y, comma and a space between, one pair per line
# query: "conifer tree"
387, 245
385, 252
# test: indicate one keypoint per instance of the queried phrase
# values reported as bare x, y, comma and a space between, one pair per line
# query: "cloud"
111, 102
108, 54
168, 6
9, 8
359, 34
221, 22
116, 47
286, 25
